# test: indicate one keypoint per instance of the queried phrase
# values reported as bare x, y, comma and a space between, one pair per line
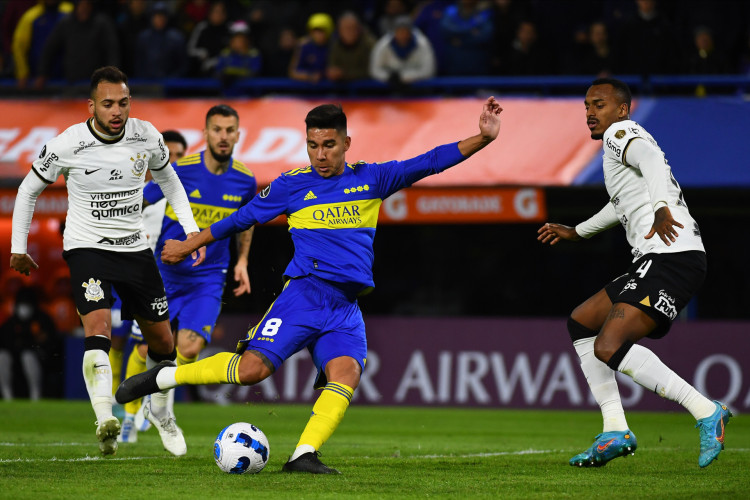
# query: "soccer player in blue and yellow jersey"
332, 209
217, 185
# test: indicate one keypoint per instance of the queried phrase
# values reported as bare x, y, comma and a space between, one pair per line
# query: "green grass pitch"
48, 450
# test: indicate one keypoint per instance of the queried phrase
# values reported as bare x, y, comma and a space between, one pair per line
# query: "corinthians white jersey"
105, 179
633, 203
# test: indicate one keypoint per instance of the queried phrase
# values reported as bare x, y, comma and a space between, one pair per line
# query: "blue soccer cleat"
607, 446
712, 434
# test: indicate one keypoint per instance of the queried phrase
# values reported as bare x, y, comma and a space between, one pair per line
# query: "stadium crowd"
395, 41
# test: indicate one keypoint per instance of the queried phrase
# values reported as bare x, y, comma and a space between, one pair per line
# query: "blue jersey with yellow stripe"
212, 197
332, 220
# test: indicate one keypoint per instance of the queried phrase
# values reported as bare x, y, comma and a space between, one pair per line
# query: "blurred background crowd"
393, 41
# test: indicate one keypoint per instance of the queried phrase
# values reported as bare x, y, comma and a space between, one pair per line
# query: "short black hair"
327, 116
223, 110
111, 74
174, 136
621, 88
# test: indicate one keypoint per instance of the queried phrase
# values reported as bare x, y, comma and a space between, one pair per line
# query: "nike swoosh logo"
721, 438
161, 312
600, 448
89, 172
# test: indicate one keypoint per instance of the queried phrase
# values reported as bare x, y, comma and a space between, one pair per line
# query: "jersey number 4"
641, 271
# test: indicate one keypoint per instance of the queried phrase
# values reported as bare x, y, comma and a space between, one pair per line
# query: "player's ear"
91, 107
347, 143
624, 111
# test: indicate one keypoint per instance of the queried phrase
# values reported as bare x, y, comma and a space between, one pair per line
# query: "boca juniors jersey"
212, 198
332, 220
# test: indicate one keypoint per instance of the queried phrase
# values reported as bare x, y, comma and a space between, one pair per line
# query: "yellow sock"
136, 365
327, 413
115, 361
222, 368
182, 360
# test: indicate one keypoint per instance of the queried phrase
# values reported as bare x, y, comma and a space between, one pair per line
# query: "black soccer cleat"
308, 462
140, 385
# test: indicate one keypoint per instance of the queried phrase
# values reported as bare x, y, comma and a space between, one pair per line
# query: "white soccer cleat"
171, 435
129, 433
141, 422
106, 432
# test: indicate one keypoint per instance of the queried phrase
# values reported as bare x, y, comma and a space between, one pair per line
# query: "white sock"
301, 450
97, 373
165, 378
32, 368
159, 400
601, 379
6, 375
647, 370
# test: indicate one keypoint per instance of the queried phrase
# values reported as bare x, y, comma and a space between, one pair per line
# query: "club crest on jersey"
619, 134
94, 292
139, 164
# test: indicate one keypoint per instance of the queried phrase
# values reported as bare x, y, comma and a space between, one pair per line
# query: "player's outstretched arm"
552, 233
489, 128
176, 251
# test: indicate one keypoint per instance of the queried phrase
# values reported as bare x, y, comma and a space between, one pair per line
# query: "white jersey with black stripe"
629, 193
104, 178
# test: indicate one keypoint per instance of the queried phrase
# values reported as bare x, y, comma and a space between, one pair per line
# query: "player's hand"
23, 263
199, 255
552, 233
664, 226
241, 276
489, 120
174, 252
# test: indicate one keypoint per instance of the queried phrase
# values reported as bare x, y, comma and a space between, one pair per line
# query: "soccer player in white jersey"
103, 161
669, 266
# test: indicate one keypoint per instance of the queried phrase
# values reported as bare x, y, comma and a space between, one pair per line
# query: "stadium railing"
448, 85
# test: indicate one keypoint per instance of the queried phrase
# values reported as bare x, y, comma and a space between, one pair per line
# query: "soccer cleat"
171, 435
106, 432
140, 385
141, 422
308, 462
129, 433
607, 446
712, 434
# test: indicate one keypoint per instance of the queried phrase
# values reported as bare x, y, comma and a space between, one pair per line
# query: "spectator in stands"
160, 48
596, 56
10, 15
279, 57
403, 56
527, 56
310, 60
467, 29
507, 15
647, 45
428, 18
84, 41
29, 339
703, 58
240, 59
349, 56
130, 23
392, 10
30, 35
59, 303
192, 13
208, 39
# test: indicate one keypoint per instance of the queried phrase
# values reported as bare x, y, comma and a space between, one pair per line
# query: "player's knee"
253, 368
577, 331
344, 370
611, 353
190, 346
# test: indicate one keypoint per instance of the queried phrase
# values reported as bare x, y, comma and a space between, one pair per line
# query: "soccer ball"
241, 448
